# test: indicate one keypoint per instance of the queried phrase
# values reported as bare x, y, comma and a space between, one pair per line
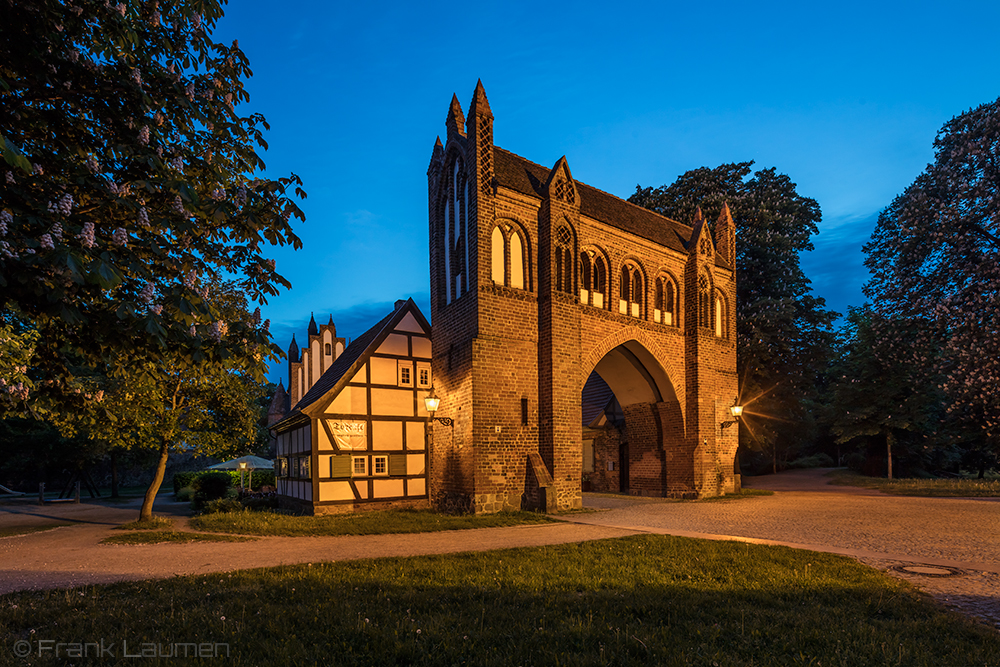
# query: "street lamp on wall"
736, 411
431, 402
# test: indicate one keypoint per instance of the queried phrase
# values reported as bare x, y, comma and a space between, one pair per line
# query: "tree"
130, 183
170, 404
935, 263
871, 395
784, 335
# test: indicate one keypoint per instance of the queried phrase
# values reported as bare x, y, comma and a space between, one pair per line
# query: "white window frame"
404, 367
355, 460
382, 459
421, 369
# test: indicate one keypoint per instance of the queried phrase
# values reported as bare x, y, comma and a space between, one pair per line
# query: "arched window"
507, 257
719, 320
704, 302
516, 261
585, 278
663, 307
600, 283
593, 279
631, 294
498, 257
456, 250
564, 263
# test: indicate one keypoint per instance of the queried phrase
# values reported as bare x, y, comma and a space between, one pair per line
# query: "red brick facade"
537, 280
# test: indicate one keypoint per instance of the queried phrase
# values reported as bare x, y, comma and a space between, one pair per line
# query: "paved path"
73, 556
805, 512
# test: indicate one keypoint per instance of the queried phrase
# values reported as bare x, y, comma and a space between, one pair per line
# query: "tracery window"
664, 306
507, 256
564, 261
704, 302
631, 291
456, 220
593, 279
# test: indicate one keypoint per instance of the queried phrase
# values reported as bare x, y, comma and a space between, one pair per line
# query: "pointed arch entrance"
632, 423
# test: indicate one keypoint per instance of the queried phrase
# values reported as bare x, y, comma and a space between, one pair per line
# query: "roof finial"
313, 329
456, 119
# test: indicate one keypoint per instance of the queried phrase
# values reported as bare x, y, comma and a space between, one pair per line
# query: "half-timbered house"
357, 438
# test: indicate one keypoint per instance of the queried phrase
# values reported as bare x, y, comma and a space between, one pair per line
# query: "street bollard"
41, 493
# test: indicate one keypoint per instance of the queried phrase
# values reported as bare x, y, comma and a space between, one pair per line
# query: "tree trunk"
774, 459
888, 452
982, 465
146, 513
114, 473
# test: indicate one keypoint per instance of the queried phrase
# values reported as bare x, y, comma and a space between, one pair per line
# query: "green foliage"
130, 181
155, 523
871, 397
784, 335
821, 460
211, 485
184, 494
260, 478
223, 506
161, 536
988, 487
645, 600
359, 523
13, 531
935, 262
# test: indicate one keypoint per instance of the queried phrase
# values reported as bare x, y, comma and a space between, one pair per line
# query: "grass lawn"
955, 488
11, 531
160, 536
155, 523
645, 600
362, 523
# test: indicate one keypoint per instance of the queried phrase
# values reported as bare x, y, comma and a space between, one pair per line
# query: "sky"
845, 98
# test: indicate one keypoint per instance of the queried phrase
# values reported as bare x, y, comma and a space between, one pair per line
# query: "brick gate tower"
540, 282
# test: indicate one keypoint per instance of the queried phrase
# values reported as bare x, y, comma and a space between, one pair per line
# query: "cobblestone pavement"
880, 530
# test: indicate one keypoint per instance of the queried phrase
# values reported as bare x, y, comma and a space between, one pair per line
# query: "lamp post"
243, 466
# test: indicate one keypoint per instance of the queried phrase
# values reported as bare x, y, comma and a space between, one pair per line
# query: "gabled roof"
347, 364
524, 176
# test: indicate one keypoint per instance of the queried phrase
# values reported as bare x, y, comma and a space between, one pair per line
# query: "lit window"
381, 465
360, 466
423, 376
405, 374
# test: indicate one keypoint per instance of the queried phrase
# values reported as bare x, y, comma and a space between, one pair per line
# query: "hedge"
260, 478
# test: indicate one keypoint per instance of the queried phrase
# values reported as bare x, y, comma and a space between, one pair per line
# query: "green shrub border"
260, 478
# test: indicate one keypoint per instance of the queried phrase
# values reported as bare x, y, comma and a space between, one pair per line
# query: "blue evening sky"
844, 97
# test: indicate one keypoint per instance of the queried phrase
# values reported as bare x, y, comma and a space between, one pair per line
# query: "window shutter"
397, 465
340, 466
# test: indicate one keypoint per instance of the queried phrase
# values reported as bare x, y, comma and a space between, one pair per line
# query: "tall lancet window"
456, 245
704, 302
507, 256
564, 264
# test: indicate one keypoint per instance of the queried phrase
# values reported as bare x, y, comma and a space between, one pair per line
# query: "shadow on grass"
632, 601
